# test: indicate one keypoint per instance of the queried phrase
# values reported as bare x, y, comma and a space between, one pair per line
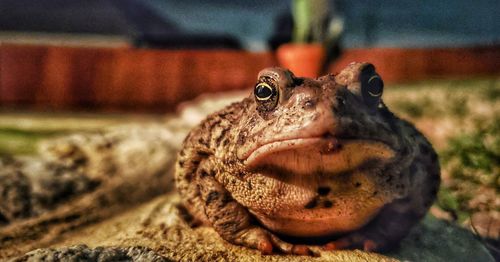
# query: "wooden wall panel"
20, 73
52, 77
56, 77
401, 65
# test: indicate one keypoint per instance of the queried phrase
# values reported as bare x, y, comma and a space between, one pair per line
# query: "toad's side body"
309, 160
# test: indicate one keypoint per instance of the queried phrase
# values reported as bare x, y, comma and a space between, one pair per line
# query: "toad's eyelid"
269, 81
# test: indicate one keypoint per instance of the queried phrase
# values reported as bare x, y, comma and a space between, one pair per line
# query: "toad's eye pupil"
263, 91
376, 85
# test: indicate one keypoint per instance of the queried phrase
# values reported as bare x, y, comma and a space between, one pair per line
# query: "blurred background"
86, 64
150, 54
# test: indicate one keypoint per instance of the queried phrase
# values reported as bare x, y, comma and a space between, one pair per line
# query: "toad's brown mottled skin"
310, 161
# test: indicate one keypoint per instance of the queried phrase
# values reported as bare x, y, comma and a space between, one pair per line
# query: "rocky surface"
118, 208
157, 230
84, 253
81, 179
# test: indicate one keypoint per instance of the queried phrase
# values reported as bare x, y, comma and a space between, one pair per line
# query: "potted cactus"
306, 53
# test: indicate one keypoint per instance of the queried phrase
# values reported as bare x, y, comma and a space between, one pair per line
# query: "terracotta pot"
302, 59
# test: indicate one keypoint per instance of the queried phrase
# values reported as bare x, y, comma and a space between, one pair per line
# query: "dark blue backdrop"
403, 23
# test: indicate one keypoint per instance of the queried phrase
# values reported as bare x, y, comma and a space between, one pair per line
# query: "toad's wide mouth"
326, 155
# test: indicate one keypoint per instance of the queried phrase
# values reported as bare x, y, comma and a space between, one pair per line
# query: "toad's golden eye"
375, 86
263, 91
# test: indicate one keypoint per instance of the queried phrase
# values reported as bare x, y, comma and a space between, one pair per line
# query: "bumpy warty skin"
309, 161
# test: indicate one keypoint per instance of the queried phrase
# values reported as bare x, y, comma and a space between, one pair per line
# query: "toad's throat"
304, 156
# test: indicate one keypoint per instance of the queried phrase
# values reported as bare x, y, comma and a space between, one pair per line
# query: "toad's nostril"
340, 100
297, 81
338, 104
309, 103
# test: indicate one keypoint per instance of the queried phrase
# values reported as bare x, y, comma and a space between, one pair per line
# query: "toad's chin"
325, 155
286, 176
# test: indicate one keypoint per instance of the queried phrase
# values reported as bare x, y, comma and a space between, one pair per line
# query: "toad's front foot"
234, 224
266, 242
354, 241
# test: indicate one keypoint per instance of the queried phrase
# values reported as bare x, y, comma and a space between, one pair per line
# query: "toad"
309, 161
